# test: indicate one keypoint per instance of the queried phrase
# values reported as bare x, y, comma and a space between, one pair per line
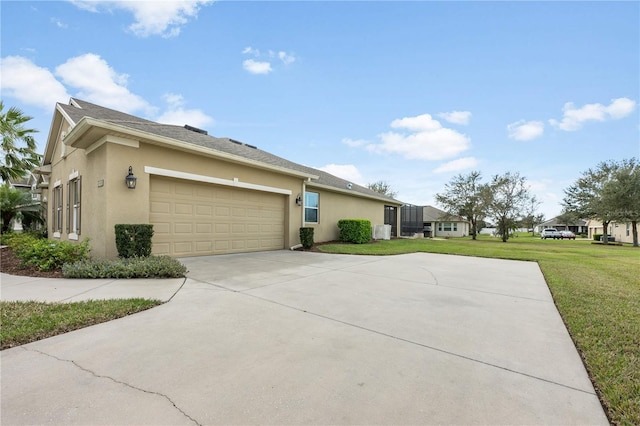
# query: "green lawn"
596, 289
25, 322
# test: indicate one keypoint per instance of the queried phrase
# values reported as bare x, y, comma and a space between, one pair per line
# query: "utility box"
382, 232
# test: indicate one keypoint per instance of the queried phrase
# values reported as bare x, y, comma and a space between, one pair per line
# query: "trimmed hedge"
306, 237
134, 240
134, 267
356, 231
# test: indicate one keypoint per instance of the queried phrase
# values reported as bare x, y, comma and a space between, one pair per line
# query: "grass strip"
25, 322
595, 287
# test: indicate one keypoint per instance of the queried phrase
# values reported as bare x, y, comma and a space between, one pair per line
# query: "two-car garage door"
192, 218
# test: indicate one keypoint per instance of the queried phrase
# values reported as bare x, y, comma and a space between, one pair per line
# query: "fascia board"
353, 193
59, 115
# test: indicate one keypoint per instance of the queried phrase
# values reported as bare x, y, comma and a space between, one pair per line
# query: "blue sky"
412, 93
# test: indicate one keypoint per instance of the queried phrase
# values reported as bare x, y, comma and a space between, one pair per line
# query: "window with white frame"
74, 194
447, 226
311, 207
57, 210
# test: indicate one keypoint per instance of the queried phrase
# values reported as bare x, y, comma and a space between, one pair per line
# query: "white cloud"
427, 140
177, 114
264, 62
98, 82
250, 51
354, 143
422, 122
457, 165
286, 58
620, 108
345, 171
525, 130
59, 23
256, 67
573, 118
31, 84
159, 17
456, 117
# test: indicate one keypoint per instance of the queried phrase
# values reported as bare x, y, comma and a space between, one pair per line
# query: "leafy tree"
18, 146
382, 187
508, 199
465, 196
531, 219
15, 203
622, 192
588, 198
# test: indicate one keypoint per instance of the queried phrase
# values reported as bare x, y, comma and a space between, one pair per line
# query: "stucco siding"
334, 206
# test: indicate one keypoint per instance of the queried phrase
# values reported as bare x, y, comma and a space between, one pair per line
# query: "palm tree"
16, 203
19, 154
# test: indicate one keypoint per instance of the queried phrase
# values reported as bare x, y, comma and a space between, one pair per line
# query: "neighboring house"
438, 223
621, 232
577, 227
204, 195
428, 221
26, 184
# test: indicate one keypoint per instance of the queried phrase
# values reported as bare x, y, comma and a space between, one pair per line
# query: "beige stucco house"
621, 232
204, 195
437, 223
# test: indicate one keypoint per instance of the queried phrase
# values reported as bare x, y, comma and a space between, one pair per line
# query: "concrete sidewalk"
14, 287
306, 338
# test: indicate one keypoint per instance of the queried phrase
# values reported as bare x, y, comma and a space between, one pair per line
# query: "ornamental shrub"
134, 267
133, 240
47, 254
306, 237
596, 237
356, 231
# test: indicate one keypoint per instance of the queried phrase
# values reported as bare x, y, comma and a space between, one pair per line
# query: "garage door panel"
204, 210
204, 228
183, 228
160, 207
183, 247
222, 211
197, 218
204, 246
182, 208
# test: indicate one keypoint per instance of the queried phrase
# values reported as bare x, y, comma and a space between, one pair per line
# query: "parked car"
568, 235
550, 233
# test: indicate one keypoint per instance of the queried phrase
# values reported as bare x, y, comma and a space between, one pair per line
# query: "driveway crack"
100, 376
423, 345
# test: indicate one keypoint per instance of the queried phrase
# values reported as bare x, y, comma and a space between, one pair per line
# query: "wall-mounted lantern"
299, 200
131, 179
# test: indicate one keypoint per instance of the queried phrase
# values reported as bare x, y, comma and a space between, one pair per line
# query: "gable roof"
554, 221
430, 213
81, 112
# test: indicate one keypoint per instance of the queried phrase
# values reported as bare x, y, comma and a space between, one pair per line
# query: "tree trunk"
473, 229
634, 230
605, 232
504, 230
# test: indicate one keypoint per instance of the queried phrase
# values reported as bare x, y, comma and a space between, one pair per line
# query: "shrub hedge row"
134, 267
354, 230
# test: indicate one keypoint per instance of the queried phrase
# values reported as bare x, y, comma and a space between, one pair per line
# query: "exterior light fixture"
299, 200
130, 180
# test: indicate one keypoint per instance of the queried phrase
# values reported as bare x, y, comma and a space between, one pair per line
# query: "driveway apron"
287, 337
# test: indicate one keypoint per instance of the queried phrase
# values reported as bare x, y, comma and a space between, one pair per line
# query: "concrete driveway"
306, 338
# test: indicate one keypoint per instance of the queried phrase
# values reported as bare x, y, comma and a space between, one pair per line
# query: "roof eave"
74, 137
353, 193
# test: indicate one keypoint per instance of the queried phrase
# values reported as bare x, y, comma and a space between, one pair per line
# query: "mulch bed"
10, 264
